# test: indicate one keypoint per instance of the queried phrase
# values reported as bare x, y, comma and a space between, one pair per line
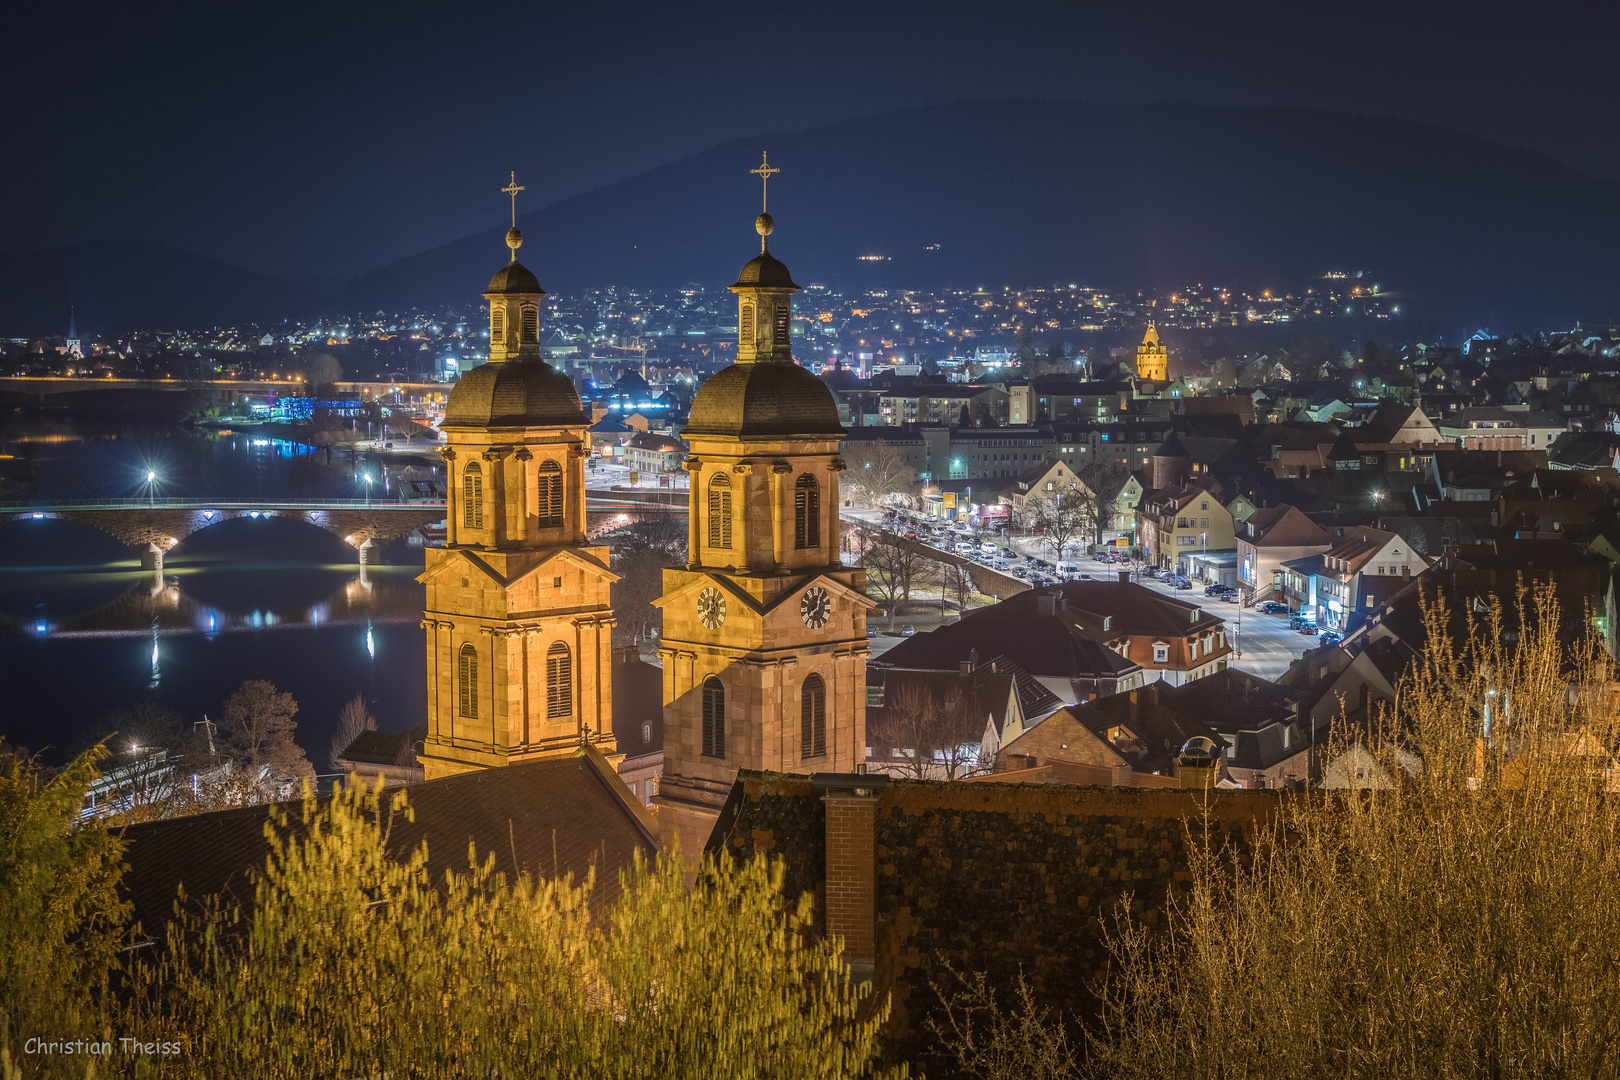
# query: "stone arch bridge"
154, 526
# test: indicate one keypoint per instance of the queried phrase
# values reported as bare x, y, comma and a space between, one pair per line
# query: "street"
1264, 643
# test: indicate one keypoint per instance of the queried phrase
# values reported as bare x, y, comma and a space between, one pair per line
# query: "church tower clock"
764, 639
518, 616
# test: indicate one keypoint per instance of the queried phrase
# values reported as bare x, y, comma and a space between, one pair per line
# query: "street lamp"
365, 478
151, 484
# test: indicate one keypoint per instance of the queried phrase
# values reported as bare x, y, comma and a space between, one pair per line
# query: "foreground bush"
1461, 924
351, 964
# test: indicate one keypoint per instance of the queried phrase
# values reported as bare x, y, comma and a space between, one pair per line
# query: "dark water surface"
84, 631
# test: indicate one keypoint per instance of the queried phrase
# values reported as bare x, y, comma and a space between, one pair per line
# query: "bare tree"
893, 564
1064, 517
256, 733
1100, 485
934, 726
878, 474
641, 551
354, 719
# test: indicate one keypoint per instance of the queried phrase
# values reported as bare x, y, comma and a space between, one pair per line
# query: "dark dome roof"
518, 393
764, 271
767, 400
514, 277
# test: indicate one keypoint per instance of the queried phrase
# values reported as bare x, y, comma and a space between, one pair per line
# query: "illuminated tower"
764, 639
1152, 359
518, 614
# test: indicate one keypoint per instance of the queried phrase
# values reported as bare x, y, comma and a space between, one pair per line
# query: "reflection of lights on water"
40, 627
371, 644
212, 624
257, 618
157, 672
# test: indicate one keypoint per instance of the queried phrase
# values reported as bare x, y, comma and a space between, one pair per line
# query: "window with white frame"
1161, 652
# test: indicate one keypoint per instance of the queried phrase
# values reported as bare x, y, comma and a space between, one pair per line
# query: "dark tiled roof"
386, 747
515, 278
1231, 700
546, 817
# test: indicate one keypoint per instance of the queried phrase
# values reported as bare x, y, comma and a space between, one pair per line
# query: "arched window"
550, 495
467, 682
714, 718
497, 324
745, 325
472, 496
531, 322
781, 330
806, 512
720, 511
813, 718
559, 681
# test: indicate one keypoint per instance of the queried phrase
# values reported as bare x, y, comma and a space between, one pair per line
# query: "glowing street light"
365, 478
151, 486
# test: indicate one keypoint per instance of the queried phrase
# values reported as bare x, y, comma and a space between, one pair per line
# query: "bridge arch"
160, 528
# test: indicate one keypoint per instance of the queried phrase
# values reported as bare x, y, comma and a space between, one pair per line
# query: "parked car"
1308, 629
1228, 597
1183, 583
907, 630
871, 631
1329, 637
1274, 607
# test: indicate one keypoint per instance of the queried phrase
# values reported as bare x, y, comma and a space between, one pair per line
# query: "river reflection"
84, 631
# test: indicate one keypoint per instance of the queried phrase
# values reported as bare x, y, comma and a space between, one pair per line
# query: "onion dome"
765, 401
518, 393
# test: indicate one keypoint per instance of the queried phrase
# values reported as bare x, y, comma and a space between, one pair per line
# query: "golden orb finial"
514, 240
764, 225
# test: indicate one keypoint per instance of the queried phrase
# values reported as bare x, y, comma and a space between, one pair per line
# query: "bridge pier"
152, 559
368, 551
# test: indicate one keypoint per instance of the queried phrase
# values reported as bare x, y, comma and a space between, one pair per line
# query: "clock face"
815, 608
711, 608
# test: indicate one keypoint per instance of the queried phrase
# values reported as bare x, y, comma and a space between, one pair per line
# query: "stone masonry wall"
999, 878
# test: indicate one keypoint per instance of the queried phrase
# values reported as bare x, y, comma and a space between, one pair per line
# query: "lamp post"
365, 478
151, 486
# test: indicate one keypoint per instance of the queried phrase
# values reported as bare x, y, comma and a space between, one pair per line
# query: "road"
1266, 644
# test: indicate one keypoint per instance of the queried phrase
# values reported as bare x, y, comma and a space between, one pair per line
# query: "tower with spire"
764, 638
518, 619
1152, 358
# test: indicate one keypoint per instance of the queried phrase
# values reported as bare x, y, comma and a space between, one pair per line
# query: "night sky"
323, 140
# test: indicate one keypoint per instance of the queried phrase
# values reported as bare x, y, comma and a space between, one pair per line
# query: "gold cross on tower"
512, 190
764, 172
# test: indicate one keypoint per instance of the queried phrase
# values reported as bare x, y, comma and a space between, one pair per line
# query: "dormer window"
1108, 621
1161, 652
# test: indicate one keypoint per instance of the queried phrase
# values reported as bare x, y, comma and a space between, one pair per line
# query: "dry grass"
1461, 924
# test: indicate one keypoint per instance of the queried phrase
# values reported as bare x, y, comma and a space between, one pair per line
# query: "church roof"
546, 818
518, 393
764, 400
765, 271
514, 277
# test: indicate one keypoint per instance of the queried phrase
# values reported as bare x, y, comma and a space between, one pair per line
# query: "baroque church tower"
1152, 358
764, 639
519, 621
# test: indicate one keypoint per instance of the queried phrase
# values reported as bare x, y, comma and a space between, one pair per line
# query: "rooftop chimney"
1124, 575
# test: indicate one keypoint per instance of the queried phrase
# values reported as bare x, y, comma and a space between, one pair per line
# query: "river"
83, 631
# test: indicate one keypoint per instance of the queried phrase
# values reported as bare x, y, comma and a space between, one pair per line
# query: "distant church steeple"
1152, 358
74, 348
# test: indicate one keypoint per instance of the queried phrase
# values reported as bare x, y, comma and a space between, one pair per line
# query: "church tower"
519, 621
764, 639
1152, 358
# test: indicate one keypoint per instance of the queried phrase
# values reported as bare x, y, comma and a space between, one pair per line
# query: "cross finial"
584, 734
512, 189
764, 172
